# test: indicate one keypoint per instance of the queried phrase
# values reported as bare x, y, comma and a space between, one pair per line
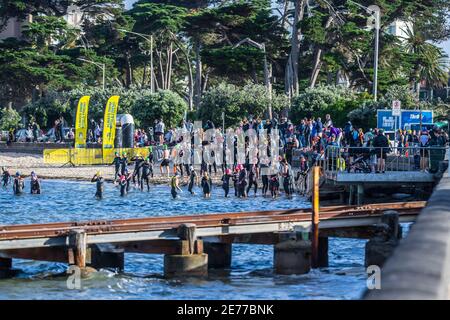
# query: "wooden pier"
193, 243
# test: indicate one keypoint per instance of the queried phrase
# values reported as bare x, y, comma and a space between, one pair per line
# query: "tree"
164, 104
237, 102
9, 118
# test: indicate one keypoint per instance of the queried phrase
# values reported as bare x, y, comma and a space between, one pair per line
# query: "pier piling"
219, 254
292, 255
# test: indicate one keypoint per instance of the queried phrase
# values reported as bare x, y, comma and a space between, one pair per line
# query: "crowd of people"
300, 146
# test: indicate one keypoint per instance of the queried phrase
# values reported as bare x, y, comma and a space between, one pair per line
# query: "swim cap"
165, 147
124, 153
227, 171
99, 173
17, 173
116, 153
150, 149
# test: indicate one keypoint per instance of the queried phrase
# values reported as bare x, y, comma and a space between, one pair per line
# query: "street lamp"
267, 82
100, 65
375, 23
148, 38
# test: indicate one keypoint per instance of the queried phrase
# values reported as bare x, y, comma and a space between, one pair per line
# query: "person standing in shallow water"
193, 179
35, 184
206, 185
99, 184
6, 177
18, 184
117, 163
174, 184
226, 181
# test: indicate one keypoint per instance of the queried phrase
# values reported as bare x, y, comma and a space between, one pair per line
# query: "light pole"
100, 65
148, 38
267, 82
374, 23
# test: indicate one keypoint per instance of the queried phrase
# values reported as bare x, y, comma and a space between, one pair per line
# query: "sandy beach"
25, 163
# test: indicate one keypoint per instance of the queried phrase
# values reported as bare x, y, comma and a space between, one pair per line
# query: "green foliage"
238, 102
319, 101
164, 104
9, 118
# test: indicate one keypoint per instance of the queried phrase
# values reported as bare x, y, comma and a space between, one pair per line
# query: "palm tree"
430, 63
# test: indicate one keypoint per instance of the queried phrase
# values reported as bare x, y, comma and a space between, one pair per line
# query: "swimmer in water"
6, 177
117, 163
242, 182
206, 184
18, 184
146, 173
123, 163
174, 184
274, 185
193, 179
138, 161
123, 185
226, 181
35, 184
99, 184
253, 178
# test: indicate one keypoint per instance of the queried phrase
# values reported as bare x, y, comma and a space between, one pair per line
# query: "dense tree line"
188, 47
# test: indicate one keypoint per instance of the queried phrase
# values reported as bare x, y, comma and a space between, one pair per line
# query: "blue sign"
386, 121
413, 116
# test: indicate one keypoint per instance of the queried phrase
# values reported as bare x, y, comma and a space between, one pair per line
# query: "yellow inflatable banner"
109, 126
81, 122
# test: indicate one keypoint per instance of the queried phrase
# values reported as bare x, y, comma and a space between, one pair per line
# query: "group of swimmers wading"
18, 183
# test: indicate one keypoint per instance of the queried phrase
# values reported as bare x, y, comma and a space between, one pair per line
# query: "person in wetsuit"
116, 162
174, 185
274, 185
35, 184
253, 178
146, 172
235, 179
242, 182
193, 179
138, 161
123, 185
151, 159
123, 164
18, 184
99, 184
287, 181
206, 184
6, 177
226, 181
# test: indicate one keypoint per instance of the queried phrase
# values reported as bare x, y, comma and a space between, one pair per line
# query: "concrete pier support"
323, 252
106, 256
219, 254
388, 233
6, 270
192, 263
359, 194
292, 256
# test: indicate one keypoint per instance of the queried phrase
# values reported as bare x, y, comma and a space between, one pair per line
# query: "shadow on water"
250, 276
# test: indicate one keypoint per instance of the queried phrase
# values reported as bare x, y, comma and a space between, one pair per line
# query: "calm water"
250, 277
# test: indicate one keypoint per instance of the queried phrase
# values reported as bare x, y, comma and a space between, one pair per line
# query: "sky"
444, 45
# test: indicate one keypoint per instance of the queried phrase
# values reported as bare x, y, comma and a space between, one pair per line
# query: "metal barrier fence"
374, 159
92, 156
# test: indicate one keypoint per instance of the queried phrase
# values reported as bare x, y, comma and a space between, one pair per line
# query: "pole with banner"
109, 128
396, 112
81, 122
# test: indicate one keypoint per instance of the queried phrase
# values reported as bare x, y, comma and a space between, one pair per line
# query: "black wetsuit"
192, 178
123, 165
137, 168
35, 186
252, 180
226, 184
6, 178
99, 184
242, 183
274, 185
123, 187
18, 186
146, 172
287, 183
150, 159
206, 185
235, 183
173, 186
116, 162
